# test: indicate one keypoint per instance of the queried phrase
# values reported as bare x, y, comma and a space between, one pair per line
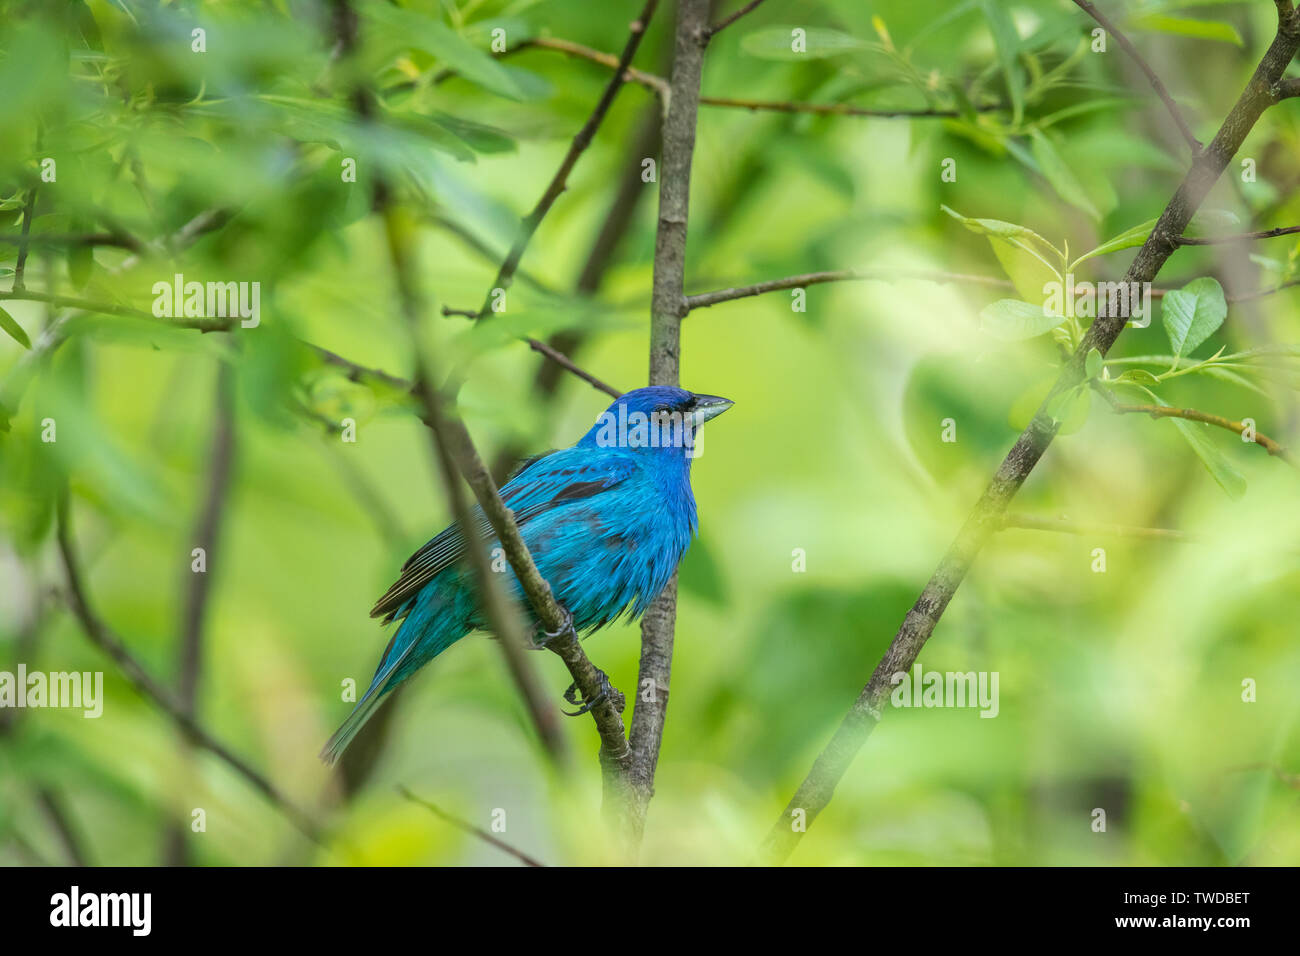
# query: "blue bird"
607, 522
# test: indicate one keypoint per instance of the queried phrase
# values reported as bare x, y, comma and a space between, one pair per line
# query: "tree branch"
107, 641
499, 611
528, 225
704, 299
1239, 237
728, 21
1159, 87
199, 584
471, 829
21, 264
1192, 415
1207, 166
660, 87
1065, 526
667, 307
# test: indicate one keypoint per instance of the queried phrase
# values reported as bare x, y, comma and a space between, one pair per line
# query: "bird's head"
655, 417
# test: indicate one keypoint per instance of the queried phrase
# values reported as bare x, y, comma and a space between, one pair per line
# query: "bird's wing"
541, 485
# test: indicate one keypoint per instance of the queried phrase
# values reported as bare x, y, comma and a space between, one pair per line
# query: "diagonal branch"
458, 458
728, 21
471, 829
107, 641
1109, 26
818, 787
199, 583
528, 225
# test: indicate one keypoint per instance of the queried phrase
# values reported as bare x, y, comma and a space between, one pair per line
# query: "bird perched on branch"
607, 522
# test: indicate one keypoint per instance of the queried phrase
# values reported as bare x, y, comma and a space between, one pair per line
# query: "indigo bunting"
607, 522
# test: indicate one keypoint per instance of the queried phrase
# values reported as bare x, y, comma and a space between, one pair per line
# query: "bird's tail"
335, 746
424, 634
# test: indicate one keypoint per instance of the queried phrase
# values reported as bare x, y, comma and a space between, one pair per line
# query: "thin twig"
728, 21
704, 299
660, 87
120, 240
1192, 415
528, 225
1065, 526
198, 587
818, 787
21, 265
1239, 237
562, 360
107, 641
67, 833
1159, 87
499, 611
471, 829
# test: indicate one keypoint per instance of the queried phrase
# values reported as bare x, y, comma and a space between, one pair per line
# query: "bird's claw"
607, 692
566, 627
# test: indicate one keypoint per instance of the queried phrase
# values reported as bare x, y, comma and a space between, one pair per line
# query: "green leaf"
1125, 240
1011, 320
11, 326
1186, 27
1196, 433
1007, 42
1062, 178
1193, 313
1021, 236
777, 43
1093, 363
1027, 272
1206, 222
81, 263
448, 47
478, 136
1137, 376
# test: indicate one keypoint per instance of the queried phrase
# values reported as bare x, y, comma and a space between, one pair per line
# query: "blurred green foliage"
1121, 690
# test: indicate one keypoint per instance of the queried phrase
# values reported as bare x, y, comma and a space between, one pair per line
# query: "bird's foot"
607, 692
541, 638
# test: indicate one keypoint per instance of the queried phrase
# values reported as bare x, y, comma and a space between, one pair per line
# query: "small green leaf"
1137, 376
1012, 319
1187, 27
1229, 479
11, 326
1125, 240
779, 43
440, 41
81, 263
1093, 363
1021, 236
1193, 313
1007, 42
1070, 408
1059, 174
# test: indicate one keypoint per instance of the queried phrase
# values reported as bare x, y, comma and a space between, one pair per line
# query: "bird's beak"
710, 406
